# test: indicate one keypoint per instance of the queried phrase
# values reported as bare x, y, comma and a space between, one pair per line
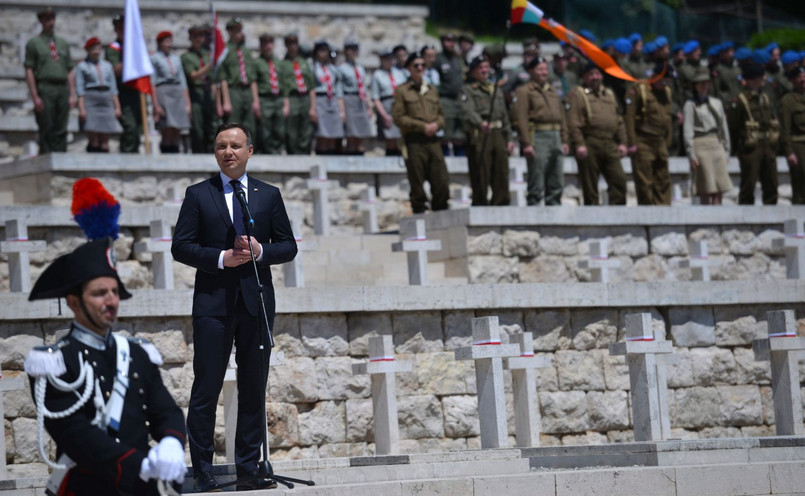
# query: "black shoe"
256, 483
206, 483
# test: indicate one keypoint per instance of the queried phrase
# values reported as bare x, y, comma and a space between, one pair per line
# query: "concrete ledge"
162, 303
47, 216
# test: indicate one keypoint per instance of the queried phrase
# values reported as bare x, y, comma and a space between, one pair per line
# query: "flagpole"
495, 91
144, 117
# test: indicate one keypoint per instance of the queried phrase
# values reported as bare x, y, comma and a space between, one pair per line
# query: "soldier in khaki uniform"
238, 82
130, 117
51, 82
197, 64
757, 138
792, 133
448, 63
300, 109
727, 83
649, 131
597, 137
538, 116
270, 78
418, 113
489, 137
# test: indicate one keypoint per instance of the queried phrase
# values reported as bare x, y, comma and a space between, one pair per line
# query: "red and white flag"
218, 47
137, 68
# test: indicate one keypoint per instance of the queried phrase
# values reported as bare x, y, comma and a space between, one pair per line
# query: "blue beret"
587, 34
742, 53
727, 45
713, 50
760, 57
606, 44
660, 41
634, 38
690, 47
623, 46
771, 46
789, 57
677, 46
650, 47
802, 55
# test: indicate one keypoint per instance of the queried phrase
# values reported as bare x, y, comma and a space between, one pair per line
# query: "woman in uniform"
329, 100
384, 84
357, 107
171, 98
98, 105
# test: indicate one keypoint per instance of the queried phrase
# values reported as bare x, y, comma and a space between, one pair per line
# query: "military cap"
634, 38
164, 34
397, 48
466, 38
660, 41
477, 61
701, 75
760, 57
265, 37
319, 44
795, 72
789, 57
606, 44
752, 70
291, 38
535, 62
385, 53
530, 45
742, 53
589, 35
623, 46
494, 50
448, 36
197, 29
91, 42
411, 58
118, 19
351, 42
690, 47
47, 12
235, 21
650, 47
771, 46
713, 50
727, 45
677, 46
89, 261
589, 66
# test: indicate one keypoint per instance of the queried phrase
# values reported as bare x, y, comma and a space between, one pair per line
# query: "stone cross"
175, 196
417, 245
783, 348
794, 244
368, 207
159, 245
488, 354
517, 185
319, 185
231, 400
524, 388
647, 377
18, 249
699, 261
460, 197
7, 384
293, 271
382, 367
599, 262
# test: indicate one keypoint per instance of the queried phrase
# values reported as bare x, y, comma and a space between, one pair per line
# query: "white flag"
137, 67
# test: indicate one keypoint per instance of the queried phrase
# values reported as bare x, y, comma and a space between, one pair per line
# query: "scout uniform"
414, 106
49, 59
95, 83
487, 155
298, 82
328, 91
594, 122
757, 141
792, 136
451, 78
130, 118
170, 82
648, 127
239, 72
355, 87
270, 80
202, 106
539, 119
382, 88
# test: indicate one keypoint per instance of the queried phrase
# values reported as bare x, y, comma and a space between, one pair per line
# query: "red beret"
164, 34
90, 42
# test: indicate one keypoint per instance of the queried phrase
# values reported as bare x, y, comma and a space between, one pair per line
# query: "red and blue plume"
95, 210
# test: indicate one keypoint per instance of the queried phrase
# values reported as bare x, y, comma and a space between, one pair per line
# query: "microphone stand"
264, 469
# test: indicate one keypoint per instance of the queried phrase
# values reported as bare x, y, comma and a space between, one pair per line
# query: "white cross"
18, 248
699, 261
460, 197
517, 185
368, 207
319, 186
599, 262
524, 389
417, 245
293, 271
159, 245
794, 244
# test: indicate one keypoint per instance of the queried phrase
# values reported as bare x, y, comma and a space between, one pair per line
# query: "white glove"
168, 459
147, 470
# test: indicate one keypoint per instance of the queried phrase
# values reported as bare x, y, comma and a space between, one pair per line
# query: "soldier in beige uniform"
597, 137
538, 116
418, 113
489, 136
649, 131
792, 133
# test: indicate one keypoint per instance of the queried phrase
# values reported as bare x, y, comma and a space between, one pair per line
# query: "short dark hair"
233, 125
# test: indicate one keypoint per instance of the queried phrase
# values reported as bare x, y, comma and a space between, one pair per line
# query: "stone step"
26, 124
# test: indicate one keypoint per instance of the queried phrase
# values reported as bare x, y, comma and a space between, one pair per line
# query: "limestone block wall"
317, 408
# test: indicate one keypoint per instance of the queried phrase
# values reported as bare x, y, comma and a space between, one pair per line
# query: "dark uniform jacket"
108, 462
792, 122
594, 113
648, 113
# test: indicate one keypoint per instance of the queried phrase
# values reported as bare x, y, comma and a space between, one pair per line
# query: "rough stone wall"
317, 408
552, 254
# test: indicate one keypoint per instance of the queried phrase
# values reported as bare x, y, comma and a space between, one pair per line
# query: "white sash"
114, 407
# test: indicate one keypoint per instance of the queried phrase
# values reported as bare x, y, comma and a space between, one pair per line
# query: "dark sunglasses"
419, 65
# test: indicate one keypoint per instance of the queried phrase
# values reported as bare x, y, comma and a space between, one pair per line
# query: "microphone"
247, 214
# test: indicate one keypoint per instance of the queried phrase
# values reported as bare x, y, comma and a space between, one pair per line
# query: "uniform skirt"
711, 175
171, 99
100, 113
330, 125
358, 125
393, 132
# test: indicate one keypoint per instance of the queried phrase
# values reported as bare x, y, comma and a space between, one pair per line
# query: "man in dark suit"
210, 236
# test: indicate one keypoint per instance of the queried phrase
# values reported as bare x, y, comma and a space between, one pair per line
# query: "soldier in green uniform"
51, 82
451, 77
792, 132
197, 64
538, 116
727, 84
418, 113
687, 70
240, 102
130, 117
300, 106
270, 80
519, 76
489, 136
597, 137
757, 138
562, 80
648, 132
